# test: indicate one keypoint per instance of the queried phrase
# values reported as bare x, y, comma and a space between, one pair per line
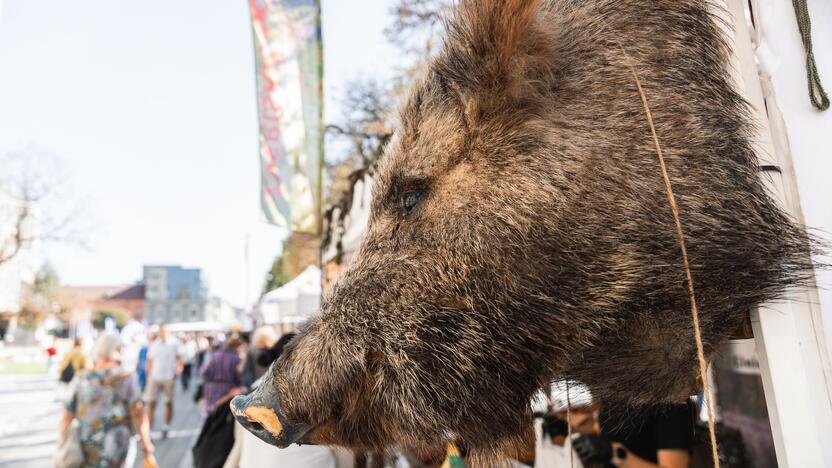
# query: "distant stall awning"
182, 327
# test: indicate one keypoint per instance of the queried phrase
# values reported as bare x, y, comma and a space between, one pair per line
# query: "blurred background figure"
262, 341
163, 363
51, 350
74, 361
189, 352
656, 436
134, 336
206, 346
605, 436
221, 382
141, 362
221, 378
107, 403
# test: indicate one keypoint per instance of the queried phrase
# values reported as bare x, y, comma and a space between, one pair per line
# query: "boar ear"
491, 43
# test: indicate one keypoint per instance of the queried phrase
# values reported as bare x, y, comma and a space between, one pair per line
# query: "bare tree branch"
416, 23
18, 238
36, 206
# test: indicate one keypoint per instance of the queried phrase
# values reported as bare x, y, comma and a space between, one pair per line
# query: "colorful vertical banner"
288, 56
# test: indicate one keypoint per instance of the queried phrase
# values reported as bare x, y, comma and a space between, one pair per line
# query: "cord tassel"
694, 312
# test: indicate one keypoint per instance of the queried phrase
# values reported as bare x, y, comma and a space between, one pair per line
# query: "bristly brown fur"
540, 244
496, 31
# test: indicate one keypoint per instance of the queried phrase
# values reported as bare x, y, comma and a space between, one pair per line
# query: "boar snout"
259, 412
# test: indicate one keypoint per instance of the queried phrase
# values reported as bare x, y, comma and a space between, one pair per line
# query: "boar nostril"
264, 418
264, 422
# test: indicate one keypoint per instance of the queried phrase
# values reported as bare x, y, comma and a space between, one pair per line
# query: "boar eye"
410, 200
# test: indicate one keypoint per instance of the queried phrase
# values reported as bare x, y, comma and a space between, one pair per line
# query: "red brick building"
130, 298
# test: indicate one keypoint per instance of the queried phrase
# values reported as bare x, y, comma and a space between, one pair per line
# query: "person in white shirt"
164, 361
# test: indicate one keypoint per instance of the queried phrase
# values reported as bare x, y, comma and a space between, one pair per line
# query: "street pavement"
31, 407
30, 410
175, 451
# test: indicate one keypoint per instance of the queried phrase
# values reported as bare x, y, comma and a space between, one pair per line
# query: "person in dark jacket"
657, 436
262, 340
272, 354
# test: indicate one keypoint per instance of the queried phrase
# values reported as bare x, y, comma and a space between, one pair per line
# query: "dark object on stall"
731, 448
554, 426
593, 450
645, 431
215, 439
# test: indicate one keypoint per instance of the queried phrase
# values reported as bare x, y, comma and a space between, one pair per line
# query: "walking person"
107, 404
221, 382
220, 376
74, 361
141, 364
163, 362
189, 352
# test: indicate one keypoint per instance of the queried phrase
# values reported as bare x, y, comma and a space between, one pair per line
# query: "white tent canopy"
295, 301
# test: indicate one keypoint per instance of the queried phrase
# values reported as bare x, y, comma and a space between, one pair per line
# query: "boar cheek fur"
544, 247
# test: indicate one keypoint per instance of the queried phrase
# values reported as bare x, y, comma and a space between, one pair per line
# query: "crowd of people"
114, 392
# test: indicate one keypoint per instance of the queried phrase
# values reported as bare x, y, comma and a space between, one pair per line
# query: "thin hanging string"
569, 426
816, 92
694, 312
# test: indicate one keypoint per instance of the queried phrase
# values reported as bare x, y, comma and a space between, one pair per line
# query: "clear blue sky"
152, 106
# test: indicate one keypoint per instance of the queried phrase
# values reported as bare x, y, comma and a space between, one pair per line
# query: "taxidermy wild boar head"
520, 232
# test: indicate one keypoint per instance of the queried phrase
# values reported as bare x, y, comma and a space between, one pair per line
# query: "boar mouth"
267, 422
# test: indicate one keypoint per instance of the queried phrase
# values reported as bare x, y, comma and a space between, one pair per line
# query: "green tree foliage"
275, 277
119, 315
300, 250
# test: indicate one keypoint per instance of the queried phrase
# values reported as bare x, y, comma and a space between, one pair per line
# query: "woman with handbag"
103, 411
